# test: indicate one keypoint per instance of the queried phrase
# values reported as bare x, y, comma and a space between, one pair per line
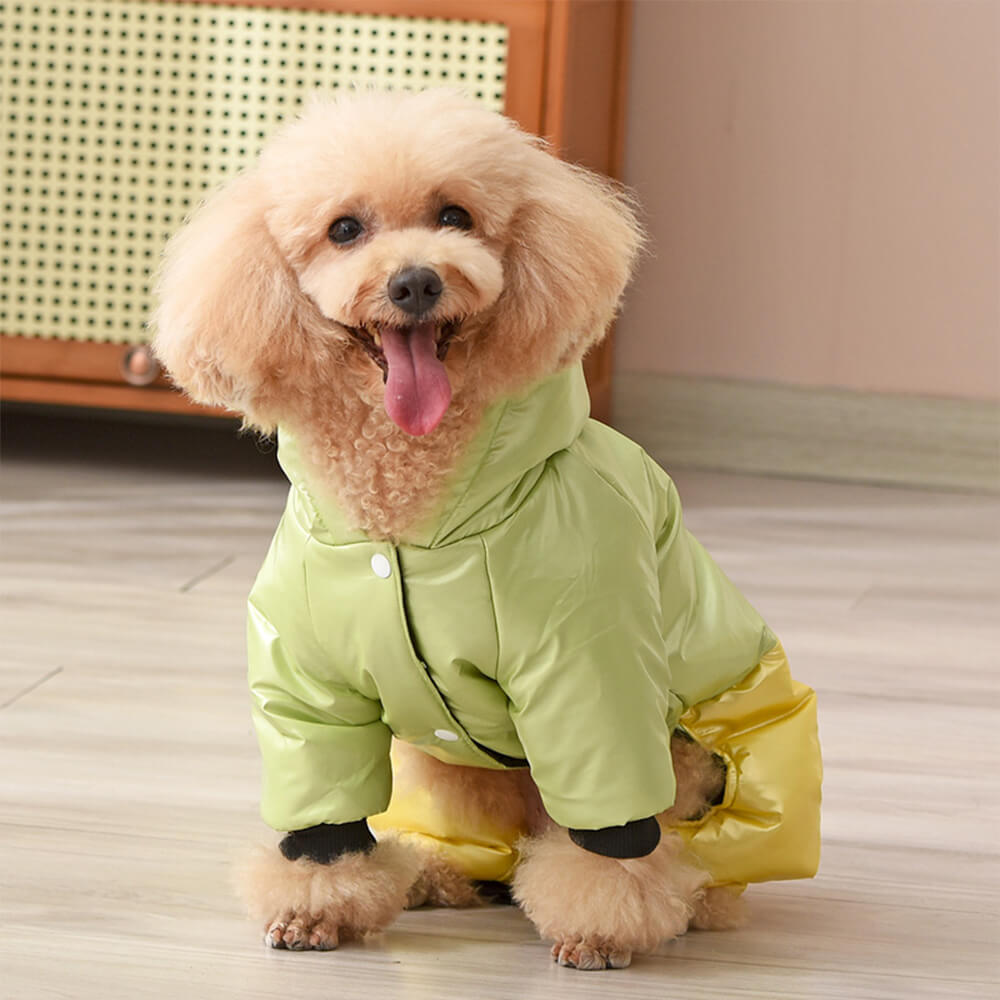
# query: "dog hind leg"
441, 884
721, 908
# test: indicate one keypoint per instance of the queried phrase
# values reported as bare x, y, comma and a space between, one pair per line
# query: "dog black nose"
415, 289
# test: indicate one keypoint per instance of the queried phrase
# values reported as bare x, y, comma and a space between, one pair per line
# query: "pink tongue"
417, 391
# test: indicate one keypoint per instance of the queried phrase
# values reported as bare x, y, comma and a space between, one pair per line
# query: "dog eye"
345, 230
455, 216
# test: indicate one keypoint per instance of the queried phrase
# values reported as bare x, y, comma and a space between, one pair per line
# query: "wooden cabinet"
119, 114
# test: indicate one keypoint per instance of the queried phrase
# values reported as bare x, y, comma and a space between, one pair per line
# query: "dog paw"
440, 884
720, 908
588, 956
303, 933
305, 906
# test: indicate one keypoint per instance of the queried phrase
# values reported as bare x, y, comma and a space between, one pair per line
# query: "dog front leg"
598, 911
307, 904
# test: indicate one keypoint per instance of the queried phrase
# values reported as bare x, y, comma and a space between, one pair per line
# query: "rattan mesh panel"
118, 114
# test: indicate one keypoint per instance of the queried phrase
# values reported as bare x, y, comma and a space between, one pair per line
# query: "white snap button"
446, 734
381, 566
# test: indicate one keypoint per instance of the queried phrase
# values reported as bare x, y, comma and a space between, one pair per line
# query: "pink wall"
822, 185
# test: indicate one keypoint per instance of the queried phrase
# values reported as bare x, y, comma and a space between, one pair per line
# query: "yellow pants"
765, 828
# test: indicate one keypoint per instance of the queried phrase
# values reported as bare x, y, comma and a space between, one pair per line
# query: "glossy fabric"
765, 828
767, 825
474, 843
554, 609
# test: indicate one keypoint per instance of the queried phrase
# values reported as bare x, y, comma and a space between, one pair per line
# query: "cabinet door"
120, 114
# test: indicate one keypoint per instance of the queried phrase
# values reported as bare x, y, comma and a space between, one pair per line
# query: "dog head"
408, 248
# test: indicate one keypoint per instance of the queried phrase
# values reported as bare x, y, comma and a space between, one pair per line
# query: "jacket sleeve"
324, 747
582, 662
712, 634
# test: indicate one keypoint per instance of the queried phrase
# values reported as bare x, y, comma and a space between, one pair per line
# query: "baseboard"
813, 433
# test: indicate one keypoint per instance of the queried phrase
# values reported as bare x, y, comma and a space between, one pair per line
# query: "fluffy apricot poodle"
483, 647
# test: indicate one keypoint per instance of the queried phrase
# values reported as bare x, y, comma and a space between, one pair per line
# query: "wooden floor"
128, 770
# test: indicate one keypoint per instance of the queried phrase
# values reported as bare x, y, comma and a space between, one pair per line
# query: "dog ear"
228, 314
570, 255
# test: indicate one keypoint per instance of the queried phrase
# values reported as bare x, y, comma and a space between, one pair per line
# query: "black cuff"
633, 840
326, 842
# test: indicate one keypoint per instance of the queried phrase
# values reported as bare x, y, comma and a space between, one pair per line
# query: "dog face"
394, 235
413, 246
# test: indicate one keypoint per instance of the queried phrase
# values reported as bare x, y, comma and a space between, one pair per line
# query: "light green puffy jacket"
556, 610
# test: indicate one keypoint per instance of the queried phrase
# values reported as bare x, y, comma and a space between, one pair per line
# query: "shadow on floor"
134, 442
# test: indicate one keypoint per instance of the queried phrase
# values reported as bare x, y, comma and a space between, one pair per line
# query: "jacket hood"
502, 463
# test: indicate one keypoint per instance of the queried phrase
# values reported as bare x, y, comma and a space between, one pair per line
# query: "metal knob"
139, 367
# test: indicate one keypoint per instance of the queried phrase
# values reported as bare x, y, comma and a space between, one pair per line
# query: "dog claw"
577, 954
299, 935
274, 937
296, 936
324, 937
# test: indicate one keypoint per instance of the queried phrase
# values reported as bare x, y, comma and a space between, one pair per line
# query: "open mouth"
417, 390
369, 337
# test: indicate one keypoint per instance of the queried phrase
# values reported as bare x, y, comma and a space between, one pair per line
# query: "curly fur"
510, 798
720, 908
438, 884
604, 906
254, 298
307, 904
701, 779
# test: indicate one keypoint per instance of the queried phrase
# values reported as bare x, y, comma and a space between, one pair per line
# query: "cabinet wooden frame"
566, 79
